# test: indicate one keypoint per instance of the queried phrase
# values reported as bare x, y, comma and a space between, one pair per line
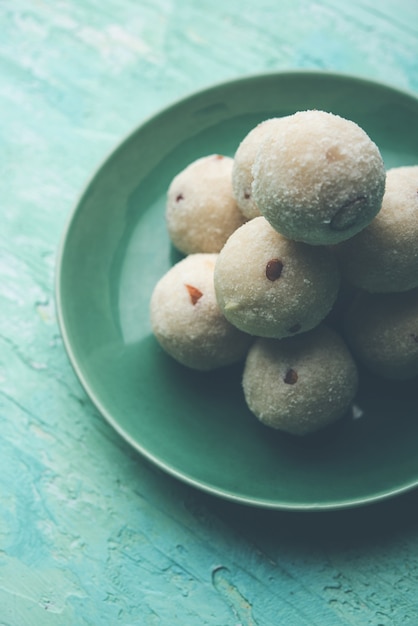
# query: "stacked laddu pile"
267, 237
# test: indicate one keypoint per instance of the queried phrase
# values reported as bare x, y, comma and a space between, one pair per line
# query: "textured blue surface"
89, 533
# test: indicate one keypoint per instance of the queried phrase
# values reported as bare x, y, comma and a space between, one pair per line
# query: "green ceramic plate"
195, 426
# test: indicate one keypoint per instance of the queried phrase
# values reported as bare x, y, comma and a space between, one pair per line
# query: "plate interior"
195, 425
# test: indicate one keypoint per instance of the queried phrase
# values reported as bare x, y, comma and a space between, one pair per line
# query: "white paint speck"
356, 412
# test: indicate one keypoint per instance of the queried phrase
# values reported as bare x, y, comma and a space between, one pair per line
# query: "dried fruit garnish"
194, 293
348, 214
274, 269
291, 377
333, 154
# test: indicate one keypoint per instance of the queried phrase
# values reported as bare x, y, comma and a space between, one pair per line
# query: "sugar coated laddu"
201, 211
186, 319
269, 286
300, 384
383, 257
382, 331
244, 157
318, 178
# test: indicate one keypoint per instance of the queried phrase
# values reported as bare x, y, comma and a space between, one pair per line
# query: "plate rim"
118, 145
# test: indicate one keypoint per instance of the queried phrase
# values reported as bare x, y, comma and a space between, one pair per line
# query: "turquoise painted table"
90, 534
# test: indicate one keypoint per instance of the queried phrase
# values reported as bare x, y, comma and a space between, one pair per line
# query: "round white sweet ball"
319, 179
300, 384
383, 258
186, 319
201, 211
242, 176
382, 332
269, 286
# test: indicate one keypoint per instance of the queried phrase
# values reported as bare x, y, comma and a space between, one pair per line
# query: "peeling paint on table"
90, 534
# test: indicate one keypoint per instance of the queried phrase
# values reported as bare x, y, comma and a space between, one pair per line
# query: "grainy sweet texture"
383, 258
186, 319
382, 331
318, 178
242, 176
312, 187
269, 286
300, 384
201, 210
